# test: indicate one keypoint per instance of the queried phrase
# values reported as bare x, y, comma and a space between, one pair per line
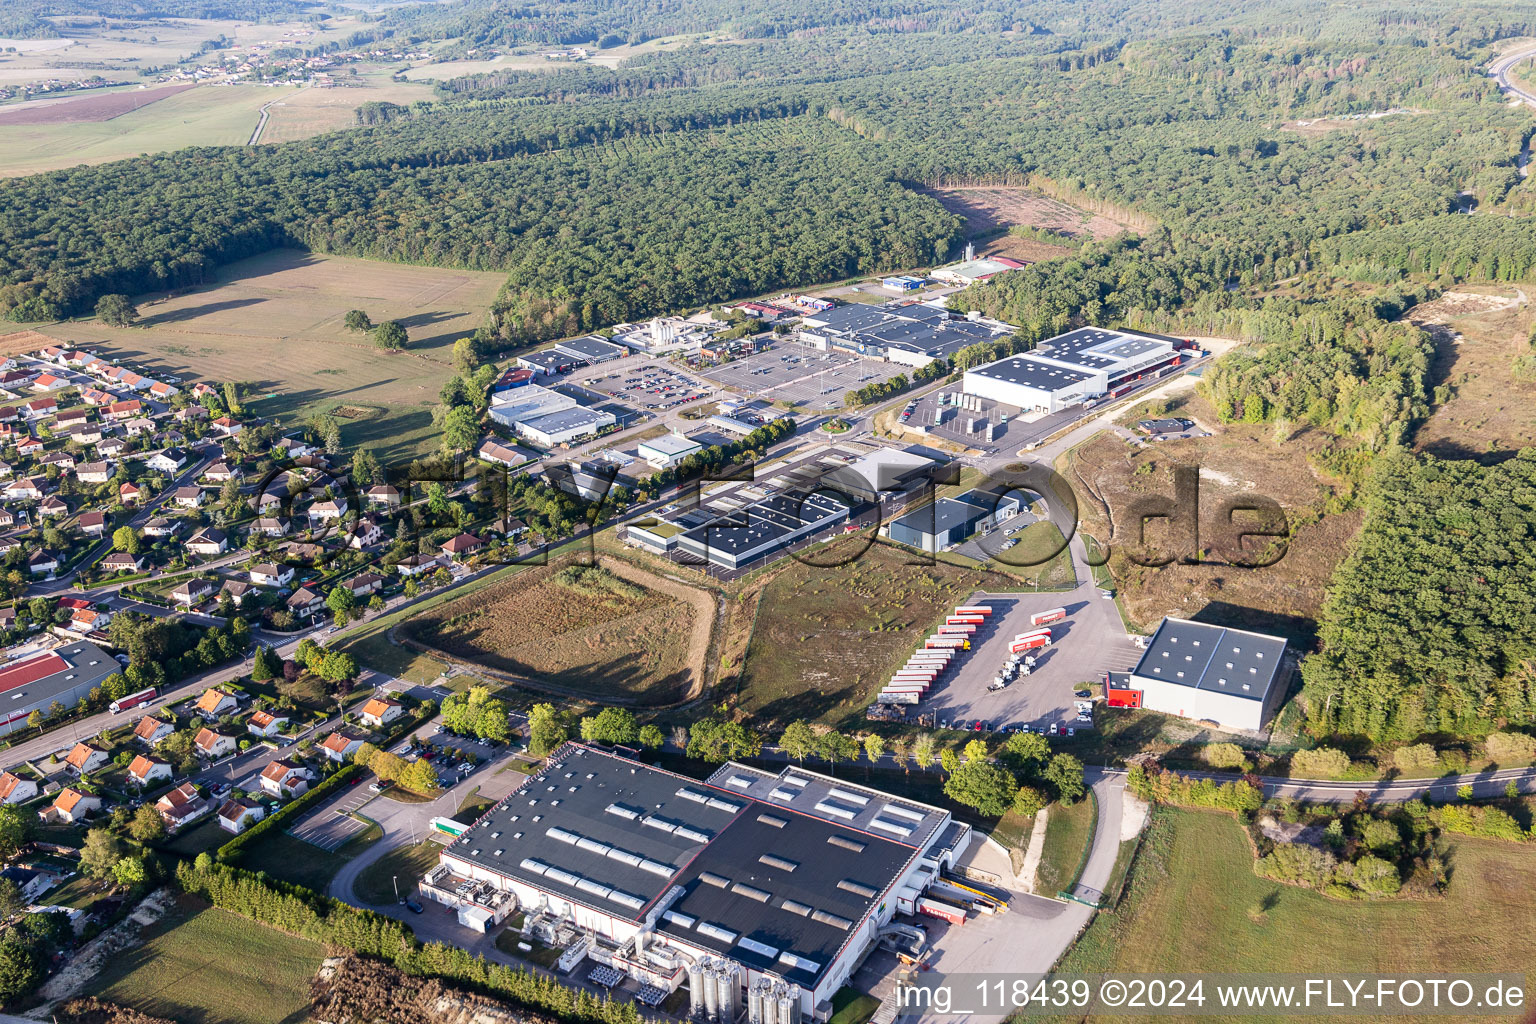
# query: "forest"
1430, 623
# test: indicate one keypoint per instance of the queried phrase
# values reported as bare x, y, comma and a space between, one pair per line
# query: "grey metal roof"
566, 419
1212, 658
1030, 373
777, 519
591, 349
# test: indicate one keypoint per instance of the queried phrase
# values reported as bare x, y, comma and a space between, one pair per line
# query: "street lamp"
395, 879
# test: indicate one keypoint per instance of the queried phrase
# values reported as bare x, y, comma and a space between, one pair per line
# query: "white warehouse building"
1071, 368
750, 886
1210, 673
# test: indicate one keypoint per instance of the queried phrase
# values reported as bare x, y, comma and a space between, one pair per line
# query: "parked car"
413, 906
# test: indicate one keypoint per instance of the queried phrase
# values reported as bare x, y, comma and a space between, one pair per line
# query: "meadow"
1193, 903
207, 966
274, 322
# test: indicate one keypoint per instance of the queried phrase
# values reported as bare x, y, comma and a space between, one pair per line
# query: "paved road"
1499, 70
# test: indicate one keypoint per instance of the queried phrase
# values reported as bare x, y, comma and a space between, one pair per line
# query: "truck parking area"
1089, 641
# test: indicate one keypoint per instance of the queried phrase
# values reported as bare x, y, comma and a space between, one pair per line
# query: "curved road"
1499, 71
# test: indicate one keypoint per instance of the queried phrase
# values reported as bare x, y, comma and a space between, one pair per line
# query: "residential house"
97, 397
27, 488
238, 591
29, 445
383, 496
366, 533
189, 496
293, 449
215, 703
39, 409
227, 426
492, 450
94, 472
379, 711
40, 563
416, 565
270, 526
6, 472
151, 730
52, 508
161, 527
111, 447
92, 524
181, 805
30, 882
462, 546
167, 461
124, 410
71, 419
266, 574
130, 493
271, 501
190, 414
63, 461
213, 745
208, 541
341, 744
238, 815
143, 771
122, 561
514, 528
84, 758
364, 584
90, 433
50, 382
139, 425
306, 602
266, 724
88, 620
16, 790
162, 391
220, 472
9, 414
71, 806
328, 511
283, 779
192, 592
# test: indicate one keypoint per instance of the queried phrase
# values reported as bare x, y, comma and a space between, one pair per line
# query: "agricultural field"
274, 322
1193, 903
97, 105
825, 639
1482, 410
1108, 473
615, 633
208, 966
302, 113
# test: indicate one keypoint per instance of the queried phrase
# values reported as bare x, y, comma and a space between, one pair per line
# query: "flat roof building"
530, 401
1071, 368
739, 538
548, 361
949, 521
590, 349
65, 674
723, 885
1211, 673
566, 425
668, 450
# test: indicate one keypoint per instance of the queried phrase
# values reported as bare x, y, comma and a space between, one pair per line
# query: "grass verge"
1068, 834
375, 884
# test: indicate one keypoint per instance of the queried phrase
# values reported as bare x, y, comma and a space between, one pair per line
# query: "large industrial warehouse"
33, 682
1209, 673
1071, 368
742, 537
913, 335
750, 887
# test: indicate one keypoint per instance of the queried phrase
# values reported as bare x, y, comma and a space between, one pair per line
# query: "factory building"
949, 521
32, 682
668, 450
1208, 673
1080, 365
913, 335
760, 891
590, 350
547, 417
741, 537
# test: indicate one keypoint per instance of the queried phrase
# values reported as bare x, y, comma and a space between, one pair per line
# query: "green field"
274, 322
206, 966
1193, 903
1068, 834
376, 883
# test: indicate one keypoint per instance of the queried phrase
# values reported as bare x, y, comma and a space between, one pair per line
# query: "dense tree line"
1429, 623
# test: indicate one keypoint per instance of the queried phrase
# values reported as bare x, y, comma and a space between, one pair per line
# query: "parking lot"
331, 824
1015, 433
790, 372
1089, 642
652, 387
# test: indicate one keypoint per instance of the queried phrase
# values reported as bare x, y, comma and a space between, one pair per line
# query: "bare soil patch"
103, 107
23, 342
1109, 473
996, 207
1482, 410
615, 633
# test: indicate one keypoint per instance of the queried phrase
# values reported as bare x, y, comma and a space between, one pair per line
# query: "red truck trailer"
1029, 643
974, 609
1053, 615
133, 700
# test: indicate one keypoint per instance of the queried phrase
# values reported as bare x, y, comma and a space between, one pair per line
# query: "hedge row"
283, 815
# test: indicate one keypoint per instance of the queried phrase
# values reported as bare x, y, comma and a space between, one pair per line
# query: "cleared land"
825, 639
1108, 474
95, 106
1484, 412
207, 966
616, 634
1194, 904
275, 322
993, 209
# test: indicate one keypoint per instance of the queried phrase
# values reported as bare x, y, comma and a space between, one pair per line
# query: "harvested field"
311, 111
825, 640
1108, 474
21, 342
102, 106
615, 633
275, 322
1482, 410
